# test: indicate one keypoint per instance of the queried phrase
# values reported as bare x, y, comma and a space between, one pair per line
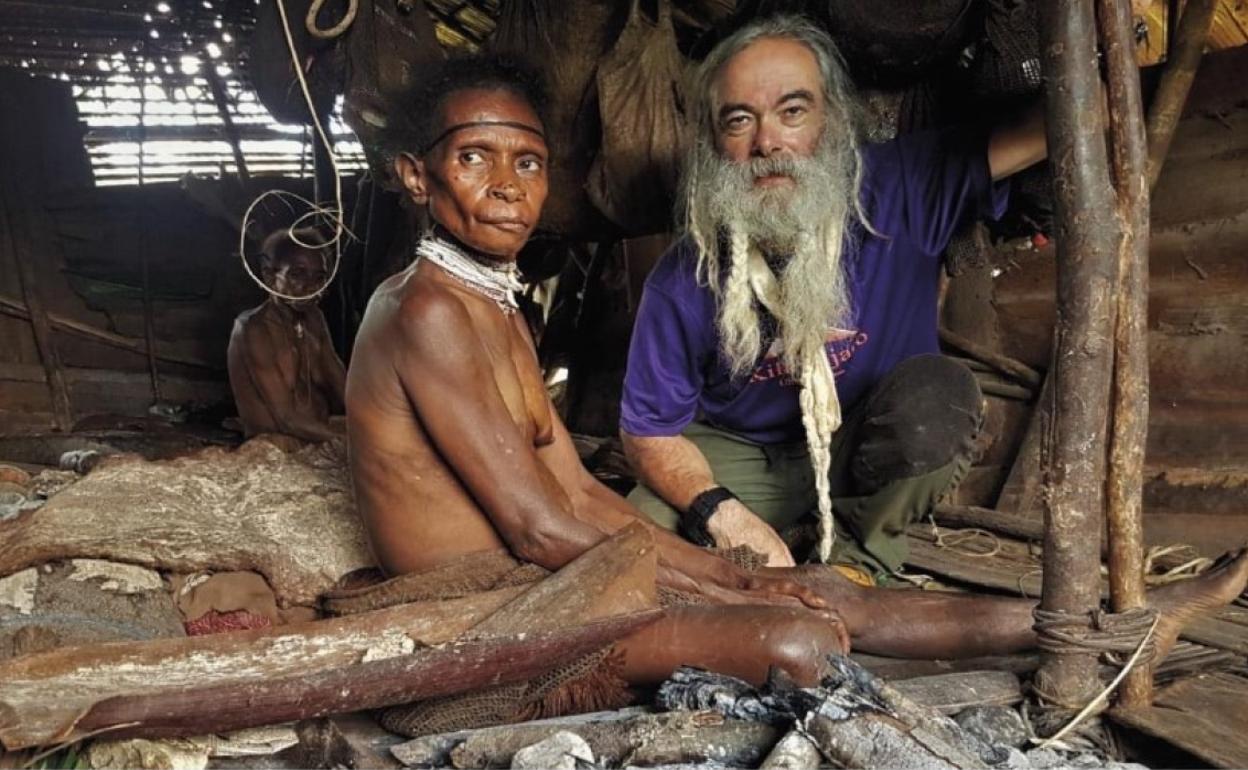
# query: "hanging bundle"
272, 71
1008, 63
390, 44
564, 41
640, 100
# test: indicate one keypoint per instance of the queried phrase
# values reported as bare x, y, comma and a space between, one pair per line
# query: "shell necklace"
495, 279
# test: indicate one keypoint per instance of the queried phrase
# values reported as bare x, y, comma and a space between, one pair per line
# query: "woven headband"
475, 123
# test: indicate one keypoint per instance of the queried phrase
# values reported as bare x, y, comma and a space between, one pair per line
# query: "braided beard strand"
808, 223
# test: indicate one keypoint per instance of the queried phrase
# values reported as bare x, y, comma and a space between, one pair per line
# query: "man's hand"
733, 524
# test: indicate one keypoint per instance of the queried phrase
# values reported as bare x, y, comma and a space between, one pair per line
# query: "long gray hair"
838, 164
807, 230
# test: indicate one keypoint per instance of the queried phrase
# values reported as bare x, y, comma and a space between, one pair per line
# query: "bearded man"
284, 372
467, 480
783, 358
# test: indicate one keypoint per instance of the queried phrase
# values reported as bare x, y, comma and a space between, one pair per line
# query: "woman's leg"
739, 640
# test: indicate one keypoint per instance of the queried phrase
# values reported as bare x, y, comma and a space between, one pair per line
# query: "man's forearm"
672, 466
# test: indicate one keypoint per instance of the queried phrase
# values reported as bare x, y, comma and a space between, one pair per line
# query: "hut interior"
135, 136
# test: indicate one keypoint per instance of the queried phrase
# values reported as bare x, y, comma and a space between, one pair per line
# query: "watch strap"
693, 522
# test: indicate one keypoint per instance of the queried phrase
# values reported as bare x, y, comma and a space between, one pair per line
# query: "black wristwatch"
693, 522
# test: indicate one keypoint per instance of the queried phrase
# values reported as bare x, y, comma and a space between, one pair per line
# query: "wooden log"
1129, 406
951, 693
12, 307
1010, 367
674, 738
288, 516
33, 712
972, 516
427, 673
209, 684
865, 722
1086, 240
1176, 81
435, 750
878, 741
16, 233
795, 751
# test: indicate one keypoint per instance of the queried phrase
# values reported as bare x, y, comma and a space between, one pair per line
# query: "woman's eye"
530, 165
470, 157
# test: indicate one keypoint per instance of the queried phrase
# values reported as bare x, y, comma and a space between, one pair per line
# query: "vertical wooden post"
232, 135
62, 414
149, 322
1125, 487
1176, 80
1087, 248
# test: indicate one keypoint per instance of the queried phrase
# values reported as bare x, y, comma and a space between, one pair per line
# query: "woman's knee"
800, 645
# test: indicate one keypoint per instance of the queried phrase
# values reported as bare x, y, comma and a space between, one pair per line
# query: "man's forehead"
768, 68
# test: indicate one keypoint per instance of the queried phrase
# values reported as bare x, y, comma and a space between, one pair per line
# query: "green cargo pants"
905, 446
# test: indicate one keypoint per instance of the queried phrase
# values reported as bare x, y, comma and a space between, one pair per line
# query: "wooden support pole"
1129, 412
1087, 247
62, 413
227, 121
1176, 80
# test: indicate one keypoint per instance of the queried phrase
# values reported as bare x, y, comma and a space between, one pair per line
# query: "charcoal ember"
995, 725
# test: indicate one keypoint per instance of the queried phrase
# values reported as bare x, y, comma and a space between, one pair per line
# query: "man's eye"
471, 157
529, 165
736, 122
794, 111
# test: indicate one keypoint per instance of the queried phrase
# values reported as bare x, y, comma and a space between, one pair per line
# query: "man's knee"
924, 415
801, 644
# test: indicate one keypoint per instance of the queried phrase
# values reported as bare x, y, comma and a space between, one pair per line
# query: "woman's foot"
1182, 602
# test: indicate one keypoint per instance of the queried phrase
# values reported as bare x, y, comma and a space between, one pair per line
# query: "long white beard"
800, 229
804, 226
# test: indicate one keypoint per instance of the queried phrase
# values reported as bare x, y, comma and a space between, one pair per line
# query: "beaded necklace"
496, 279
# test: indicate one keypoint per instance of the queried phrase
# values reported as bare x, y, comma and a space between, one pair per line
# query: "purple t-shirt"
917, 191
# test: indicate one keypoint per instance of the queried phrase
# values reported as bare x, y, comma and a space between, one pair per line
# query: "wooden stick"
428, 673
231, 131
795, 751
1021, 493
37, 707
1176, 81
12, 307
171, 687
1010, 367
1125, 484
62, 412
1087, 239
971, 516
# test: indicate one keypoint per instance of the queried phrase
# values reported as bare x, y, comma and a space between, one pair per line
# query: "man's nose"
766, 140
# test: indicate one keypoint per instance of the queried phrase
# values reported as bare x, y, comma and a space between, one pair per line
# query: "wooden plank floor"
1206, 716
